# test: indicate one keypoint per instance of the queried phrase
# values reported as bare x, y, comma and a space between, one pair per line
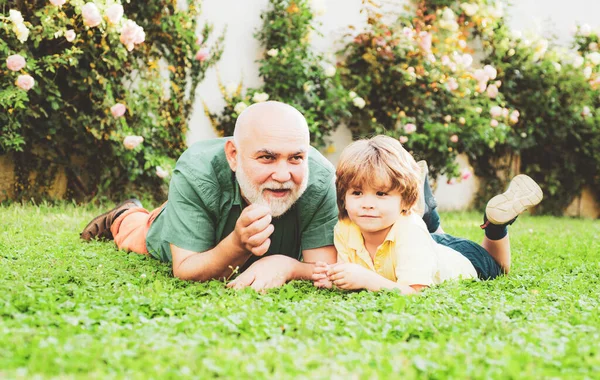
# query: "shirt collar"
357, 242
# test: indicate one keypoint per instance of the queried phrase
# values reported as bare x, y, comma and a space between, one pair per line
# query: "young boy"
383, 244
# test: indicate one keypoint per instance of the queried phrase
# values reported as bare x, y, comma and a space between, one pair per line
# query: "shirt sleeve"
189, 223
416, 262
319, 231
341, 244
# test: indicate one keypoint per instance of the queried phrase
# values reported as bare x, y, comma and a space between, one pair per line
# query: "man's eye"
381, 194
297, 158
269, 158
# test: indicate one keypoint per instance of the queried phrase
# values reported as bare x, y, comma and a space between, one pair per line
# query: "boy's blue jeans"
431, 216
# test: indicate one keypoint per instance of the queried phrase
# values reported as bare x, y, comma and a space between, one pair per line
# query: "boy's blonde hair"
379, 162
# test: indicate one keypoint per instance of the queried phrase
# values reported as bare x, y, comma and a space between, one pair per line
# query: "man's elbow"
201, 275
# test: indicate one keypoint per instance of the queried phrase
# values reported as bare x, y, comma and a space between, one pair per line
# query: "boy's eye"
356, 192
381, 194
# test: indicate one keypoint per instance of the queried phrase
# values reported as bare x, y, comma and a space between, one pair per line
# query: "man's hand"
253, 228
268, 272
319, 276
350, 276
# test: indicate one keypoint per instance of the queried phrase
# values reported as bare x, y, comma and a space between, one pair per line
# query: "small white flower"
273, 53
523, 134
161, 173
143, 275
470, 9
21, 32
329, 70
587, 72
585, 30
231, 88
352, 94
594, 58
466, 60
307, 86
448, 14
359, 102
240, 107
259, 97
585, 112
490, 71
15, 16
557, 66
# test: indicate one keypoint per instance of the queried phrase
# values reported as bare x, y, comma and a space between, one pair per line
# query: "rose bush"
79, 78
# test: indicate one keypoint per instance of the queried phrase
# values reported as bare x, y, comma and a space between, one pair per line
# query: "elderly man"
260, 201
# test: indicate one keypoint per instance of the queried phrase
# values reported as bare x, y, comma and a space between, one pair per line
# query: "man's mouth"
278, 193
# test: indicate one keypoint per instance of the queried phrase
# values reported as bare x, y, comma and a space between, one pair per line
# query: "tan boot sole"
523, 193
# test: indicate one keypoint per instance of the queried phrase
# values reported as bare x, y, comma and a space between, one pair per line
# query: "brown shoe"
99, 227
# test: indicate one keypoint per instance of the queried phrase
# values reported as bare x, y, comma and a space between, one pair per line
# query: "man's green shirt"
205, 203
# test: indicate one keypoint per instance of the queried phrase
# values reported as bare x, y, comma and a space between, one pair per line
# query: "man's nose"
282, 172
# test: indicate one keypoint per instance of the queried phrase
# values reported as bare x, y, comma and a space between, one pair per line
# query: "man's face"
272, 168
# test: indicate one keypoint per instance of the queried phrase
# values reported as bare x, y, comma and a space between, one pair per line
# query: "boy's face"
373, 209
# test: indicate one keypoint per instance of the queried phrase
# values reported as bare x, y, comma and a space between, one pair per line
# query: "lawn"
75, 310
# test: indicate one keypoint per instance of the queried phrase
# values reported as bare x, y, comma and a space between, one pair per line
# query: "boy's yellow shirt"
408, 255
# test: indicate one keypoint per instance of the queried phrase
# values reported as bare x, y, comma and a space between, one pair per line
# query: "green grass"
75, 310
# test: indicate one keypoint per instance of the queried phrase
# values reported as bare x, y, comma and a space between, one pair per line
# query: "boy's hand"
319, 276
350, 276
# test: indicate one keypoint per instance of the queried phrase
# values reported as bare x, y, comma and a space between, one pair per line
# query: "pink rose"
91, 15
58, 3
15, 62
114, 13
25, 82
161, 173
494, 123
203, 54
454, 138
452, 84
466, 174
496, 111
425, 41
481, 76
492, 91
132, 34
118, 110
410, 128
403, 139
514, 116
490, 71
70, 35
481, 86
131, 142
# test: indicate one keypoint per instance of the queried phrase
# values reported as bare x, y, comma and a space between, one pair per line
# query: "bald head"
276, 119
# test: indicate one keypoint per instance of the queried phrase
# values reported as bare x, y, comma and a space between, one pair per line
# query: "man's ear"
231, 153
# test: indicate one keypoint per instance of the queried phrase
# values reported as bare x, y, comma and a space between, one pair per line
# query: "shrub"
292, 72
414, 80
98, 91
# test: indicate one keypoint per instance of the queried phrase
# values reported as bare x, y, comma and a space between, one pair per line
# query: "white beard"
255, 194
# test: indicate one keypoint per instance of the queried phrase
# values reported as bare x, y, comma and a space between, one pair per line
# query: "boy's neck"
374, 239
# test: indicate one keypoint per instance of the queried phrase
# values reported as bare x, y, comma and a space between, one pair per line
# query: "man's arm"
219, 262
304, 270
250, 237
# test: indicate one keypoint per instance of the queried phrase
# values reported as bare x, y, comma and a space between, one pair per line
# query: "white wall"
242, 19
